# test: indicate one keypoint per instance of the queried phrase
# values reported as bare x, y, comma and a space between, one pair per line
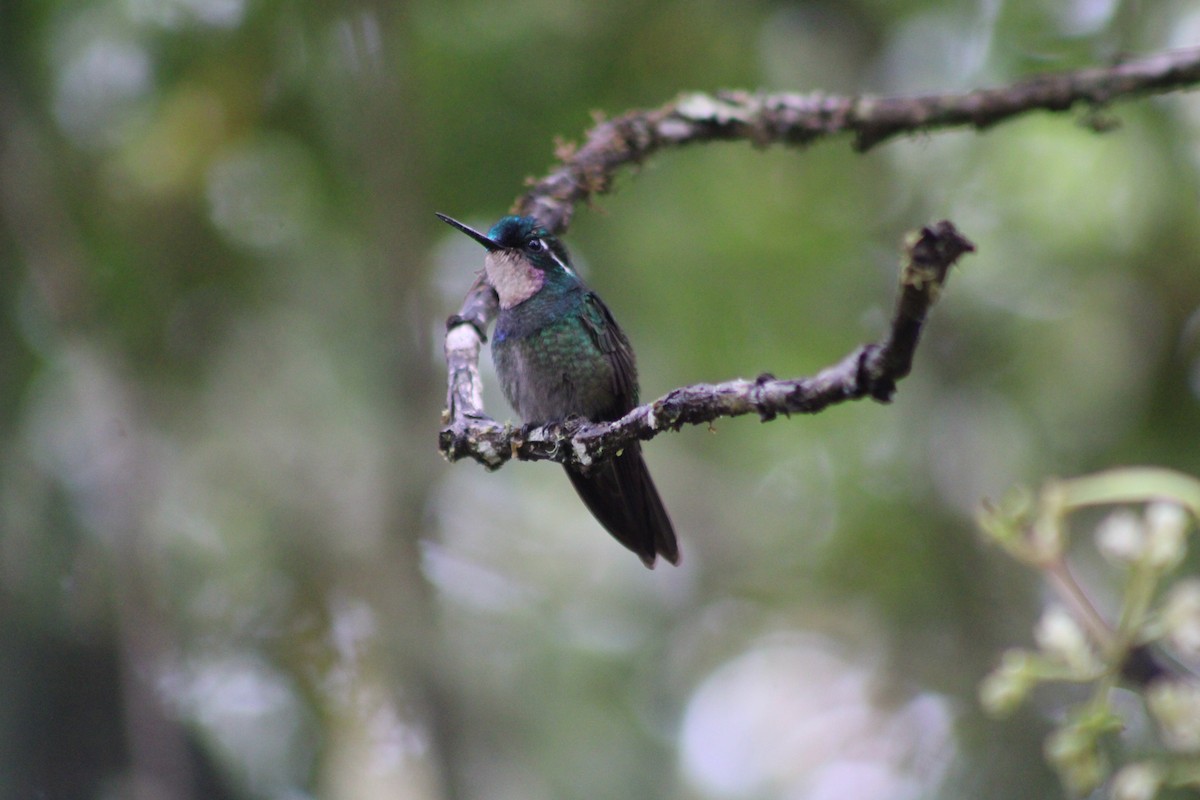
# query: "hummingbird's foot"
573, 424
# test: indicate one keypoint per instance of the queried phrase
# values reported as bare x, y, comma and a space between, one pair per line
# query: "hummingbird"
560, 354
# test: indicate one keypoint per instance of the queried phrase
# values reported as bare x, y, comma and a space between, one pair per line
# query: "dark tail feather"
622, 497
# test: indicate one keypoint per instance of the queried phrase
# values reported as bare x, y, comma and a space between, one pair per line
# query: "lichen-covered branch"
870, 371
800, 119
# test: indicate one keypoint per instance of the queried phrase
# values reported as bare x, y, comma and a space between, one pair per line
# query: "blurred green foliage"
232, 563
1115, 657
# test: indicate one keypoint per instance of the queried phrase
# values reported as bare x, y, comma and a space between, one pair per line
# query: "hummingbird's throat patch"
513, 277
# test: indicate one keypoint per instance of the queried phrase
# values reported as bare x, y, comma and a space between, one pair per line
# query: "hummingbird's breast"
548, 363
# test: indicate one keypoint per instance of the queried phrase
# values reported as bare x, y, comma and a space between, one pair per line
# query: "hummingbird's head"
522, 255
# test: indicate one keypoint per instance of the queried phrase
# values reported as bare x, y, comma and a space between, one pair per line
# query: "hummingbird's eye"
536, 245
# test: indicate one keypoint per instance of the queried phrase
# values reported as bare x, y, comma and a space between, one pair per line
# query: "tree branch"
801, 119
762, 119
870, 371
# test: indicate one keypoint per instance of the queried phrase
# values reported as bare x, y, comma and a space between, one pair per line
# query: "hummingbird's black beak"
469, 231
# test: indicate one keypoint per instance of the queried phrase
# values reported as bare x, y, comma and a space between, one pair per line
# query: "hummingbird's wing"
611, 341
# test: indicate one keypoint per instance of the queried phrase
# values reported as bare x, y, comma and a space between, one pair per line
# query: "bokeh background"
232, 562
